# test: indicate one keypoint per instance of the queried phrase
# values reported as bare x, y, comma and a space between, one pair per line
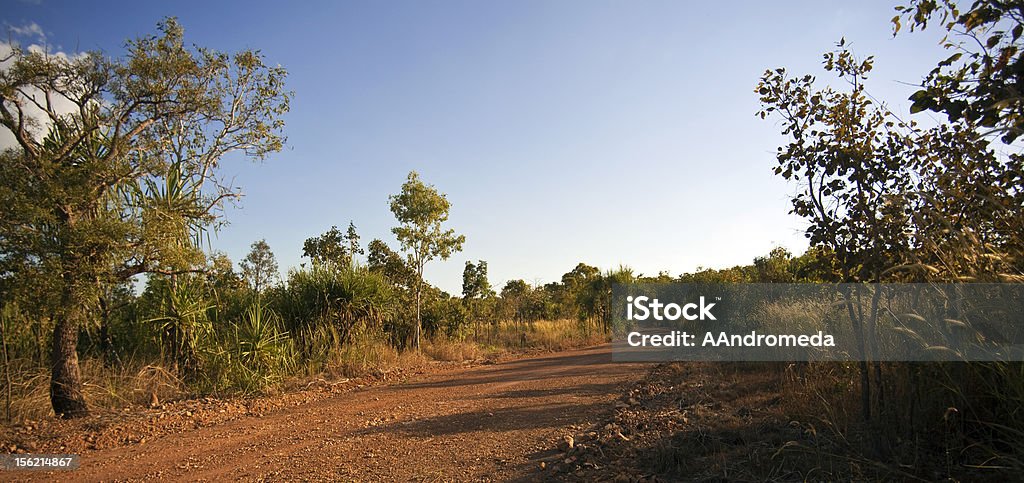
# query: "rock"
568, 442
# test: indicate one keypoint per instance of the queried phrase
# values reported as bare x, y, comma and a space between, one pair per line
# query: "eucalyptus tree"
421, 211
259, 267
115, 168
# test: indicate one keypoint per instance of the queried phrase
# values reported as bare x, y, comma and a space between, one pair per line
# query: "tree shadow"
538, 416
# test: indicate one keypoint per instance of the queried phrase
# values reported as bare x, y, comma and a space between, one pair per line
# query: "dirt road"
490, 422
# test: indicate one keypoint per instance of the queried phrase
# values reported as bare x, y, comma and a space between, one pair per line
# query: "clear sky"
604, 132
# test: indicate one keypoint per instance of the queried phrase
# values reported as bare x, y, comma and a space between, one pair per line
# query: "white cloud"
42, 121
31, 30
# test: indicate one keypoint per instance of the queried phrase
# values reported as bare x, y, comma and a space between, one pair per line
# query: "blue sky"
604, 132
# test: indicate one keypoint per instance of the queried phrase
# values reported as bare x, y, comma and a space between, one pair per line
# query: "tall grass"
955, 419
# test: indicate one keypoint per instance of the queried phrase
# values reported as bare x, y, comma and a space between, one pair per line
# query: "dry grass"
362, 356
137, 383
542, 334
452, 351
107, 389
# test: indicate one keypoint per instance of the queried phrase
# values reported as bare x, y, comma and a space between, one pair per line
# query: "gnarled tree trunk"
66, 379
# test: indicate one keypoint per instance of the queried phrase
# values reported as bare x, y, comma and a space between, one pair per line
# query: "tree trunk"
419, 322
66, 380
858, 332
7, 368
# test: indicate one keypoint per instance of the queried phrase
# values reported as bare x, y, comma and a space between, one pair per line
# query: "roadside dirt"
501, 421
695, 421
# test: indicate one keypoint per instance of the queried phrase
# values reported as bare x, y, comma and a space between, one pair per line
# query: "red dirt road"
490, 422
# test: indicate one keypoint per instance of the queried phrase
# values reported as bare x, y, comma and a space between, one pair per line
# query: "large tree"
115, 168
420, 211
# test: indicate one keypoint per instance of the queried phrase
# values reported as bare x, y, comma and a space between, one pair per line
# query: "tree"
124, 181
890, 201
420, 211
474, 281
382, 259
514, 294
327, 249
974, 219
979, 83
774, 268
259, 267
477, 295
353, 242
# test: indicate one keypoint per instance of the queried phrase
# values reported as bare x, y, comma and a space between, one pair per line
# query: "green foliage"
262, 352
126, 182
182, 324
352, 238
332, 247
382, 259
349, 300
474, 281
445, 315
888, 200
420, 211
854, 167
259, 267
978, 83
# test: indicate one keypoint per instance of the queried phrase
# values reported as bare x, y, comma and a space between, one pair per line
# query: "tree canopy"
126, 180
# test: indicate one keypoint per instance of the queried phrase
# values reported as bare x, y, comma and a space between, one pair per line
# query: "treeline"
221, 328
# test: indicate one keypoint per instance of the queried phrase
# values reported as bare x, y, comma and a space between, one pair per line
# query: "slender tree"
352, 238
420, 211
259, 267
